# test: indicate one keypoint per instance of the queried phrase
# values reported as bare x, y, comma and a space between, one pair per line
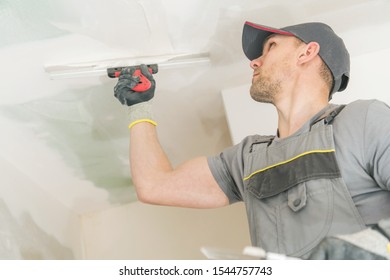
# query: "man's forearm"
148, 162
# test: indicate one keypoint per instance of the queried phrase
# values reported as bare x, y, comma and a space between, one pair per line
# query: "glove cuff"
141, 112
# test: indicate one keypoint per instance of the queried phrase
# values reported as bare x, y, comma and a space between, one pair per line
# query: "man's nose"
256, 63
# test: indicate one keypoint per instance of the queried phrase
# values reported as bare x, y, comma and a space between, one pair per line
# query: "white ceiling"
69, 137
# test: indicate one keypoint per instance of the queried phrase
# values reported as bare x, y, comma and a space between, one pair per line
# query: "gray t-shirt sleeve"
227, 169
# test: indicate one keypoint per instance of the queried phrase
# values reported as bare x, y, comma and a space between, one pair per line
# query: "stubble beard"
264, 90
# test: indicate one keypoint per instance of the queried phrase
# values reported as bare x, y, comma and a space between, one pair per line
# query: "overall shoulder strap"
329, 115
261, 140
332, 115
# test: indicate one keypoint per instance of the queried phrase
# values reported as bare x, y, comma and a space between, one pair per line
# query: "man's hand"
140, 109
128, 80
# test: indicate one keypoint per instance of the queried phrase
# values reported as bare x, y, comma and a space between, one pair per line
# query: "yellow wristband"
142, 120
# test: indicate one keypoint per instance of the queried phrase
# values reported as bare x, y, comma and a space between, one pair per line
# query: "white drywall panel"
33, 224
139, 231
246, 116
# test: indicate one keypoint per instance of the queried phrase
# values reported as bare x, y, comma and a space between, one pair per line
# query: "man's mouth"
255, 74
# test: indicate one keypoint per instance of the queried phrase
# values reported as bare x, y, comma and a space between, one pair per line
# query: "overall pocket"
306, 217
294, 221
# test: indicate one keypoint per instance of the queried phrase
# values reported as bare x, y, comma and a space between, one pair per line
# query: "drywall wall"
33, 225
156, 232
67, 140
65, 188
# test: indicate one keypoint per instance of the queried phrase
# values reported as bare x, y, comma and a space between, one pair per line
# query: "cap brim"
253, 37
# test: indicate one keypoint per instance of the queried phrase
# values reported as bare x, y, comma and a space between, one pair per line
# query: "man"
325, 173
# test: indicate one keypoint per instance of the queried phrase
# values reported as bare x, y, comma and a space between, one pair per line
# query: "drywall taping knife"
99, 68
143, 84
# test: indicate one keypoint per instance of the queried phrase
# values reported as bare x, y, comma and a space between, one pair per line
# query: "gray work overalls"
295, 193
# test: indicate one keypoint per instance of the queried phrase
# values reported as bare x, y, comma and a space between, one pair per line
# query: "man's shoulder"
358, 109
362, 117
365, 104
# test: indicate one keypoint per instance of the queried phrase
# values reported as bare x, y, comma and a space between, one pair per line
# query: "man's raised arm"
190, 184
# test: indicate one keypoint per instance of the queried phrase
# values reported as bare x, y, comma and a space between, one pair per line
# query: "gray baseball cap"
332, 49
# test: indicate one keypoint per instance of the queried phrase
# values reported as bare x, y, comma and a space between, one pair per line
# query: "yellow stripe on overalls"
289, 160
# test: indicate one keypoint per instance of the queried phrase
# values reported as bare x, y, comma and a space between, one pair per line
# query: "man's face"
272, 67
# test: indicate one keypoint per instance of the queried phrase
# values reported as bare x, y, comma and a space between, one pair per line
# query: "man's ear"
308, 52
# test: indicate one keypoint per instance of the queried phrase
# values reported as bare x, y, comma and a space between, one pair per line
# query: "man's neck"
293, 115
